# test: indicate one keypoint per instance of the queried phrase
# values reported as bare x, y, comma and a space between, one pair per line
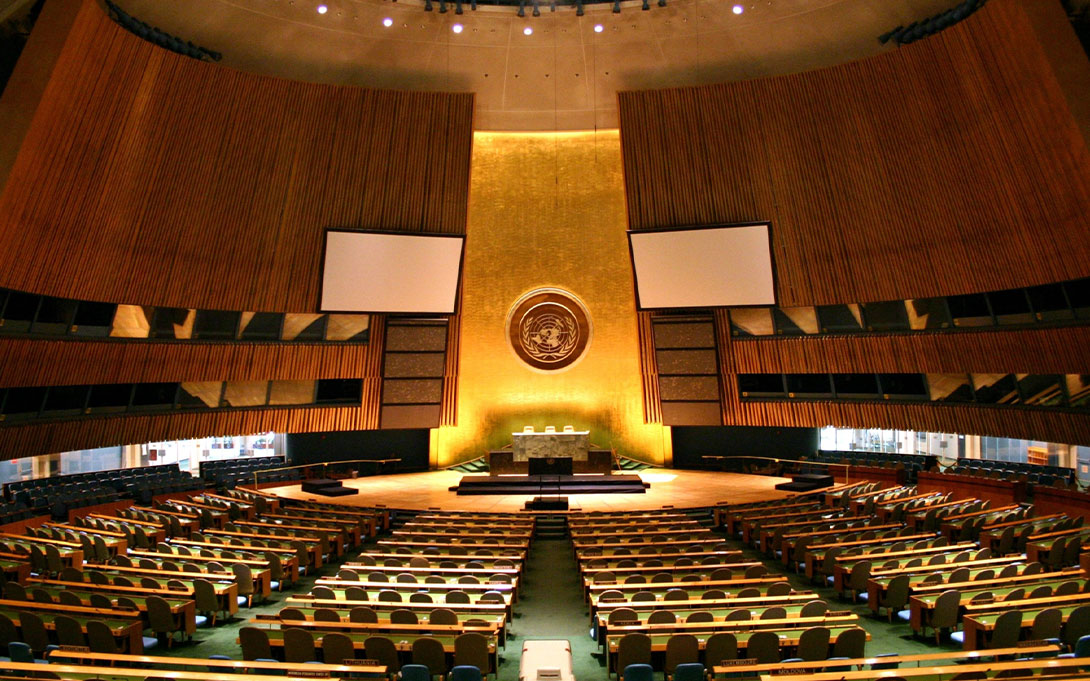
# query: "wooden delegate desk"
493, 622
703, 570
668, 557
71, 671
1039, 549
226, 593
308, 601
127, 626
261, 576
485, 628
462, 561
338, 537
71, 556
979, 620
285, 554
789, 638
998, 491
800, 668
694, 590
815, 554
16, 567
156, 532
314, 545
640, 624
991, 533
1038, 666
404, 644
188, 521
878, 582
183, 608
922, 602
842, 571
141, 665
517, 549
593, 591
507, 588
259, 567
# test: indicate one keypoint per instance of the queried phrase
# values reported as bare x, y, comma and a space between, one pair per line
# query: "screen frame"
767, 224
387, 232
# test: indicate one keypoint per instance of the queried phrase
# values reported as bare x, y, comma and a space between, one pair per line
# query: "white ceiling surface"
562, 77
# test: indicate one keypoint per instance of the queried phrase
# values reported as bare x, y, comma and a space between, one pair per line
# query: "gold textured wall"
547, 209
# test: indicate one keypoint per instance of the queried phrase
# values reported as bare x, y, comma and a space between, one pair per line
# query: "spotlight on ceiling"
322, 9
598, 28
387, 22
457, 28
738, 9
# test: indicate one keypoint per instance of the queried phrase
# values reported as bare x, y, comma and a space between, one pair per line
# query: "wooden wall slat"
949, 166
62, 436
953, 165
1031, 351
36, 362
151, 178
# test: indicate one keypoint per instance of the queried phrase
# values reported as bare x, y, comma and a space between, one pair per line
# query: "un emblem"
548, 329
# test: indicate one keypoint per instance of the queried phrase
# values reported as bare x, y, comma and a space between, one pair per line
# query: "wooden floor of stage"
669, 487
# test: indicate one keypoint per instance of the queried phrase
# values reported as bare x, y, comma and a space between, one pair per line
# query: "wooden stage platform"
669, 487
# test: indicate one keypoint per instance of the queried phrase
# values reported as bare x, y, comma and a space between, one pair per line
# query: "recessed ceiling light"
322, 9
738, 9
598, 28
387, 22
457, 28
527, 31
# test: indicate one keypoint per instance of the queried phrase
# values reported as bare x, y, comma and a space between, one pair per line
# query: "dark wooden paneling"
37, 362
62, 436
943, 167
1029, 424
1035, 351
1047, 500
151, 178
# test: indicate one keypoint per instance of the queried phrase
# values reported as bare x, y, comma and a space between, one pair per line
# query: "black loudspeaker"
547, 504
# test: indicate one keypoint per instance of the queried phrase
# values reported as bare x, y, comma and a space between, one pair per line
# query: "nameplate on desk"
75, 649
838, 613
613, 599
548, 673
360, 662
741, 662
624, 623
786, 671
317, 674
1032, 643
982, 601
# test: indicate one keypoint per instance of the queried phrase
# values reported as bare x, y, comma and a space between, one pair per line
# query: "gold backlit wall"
547, 209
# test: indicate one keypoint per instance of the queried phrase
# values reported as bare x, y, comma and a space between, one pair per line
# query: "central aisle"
551, 606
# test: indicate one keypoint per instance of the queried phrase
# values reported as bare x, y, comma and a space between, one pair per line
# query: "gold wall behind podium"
547, 210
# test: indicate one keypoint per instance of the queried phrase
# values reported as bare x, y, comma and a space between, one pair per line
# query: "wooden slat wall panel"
62, 436
1050, 426
948, 166
150, 178
1032, 351
649, 372
36, 362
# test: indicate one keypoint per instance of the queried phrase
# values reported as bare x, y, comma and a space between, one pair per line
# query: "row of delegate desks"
259, 567
922, 602
261, 576
127, 626
140, 666
883, 563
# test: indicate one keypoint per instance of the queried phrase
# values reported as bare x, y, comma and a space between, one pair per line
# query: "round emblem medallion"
549, 329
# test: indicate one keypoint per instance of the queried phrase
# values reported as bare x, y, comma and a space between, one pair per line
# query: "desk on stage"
572, 445
502, 462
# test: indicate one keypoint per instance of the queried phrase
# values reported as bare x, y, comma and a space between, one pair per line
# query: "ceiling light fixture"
387, 22
322, 9
738, 9
457, 28
527, 31
598, 28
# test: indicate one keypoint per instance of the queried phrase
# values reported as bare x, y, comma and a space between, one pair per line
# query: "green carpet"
551, 606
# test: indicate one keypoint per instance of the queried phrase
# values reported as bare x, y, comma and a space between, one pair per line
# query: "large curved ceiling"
563, 76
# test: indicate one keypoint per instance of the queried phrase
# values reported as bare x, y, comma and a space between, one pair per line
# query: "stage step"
806, 482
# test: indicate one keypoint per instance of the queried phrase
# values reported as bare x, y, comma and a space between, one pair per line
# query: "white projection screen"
703, 267
383, 272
